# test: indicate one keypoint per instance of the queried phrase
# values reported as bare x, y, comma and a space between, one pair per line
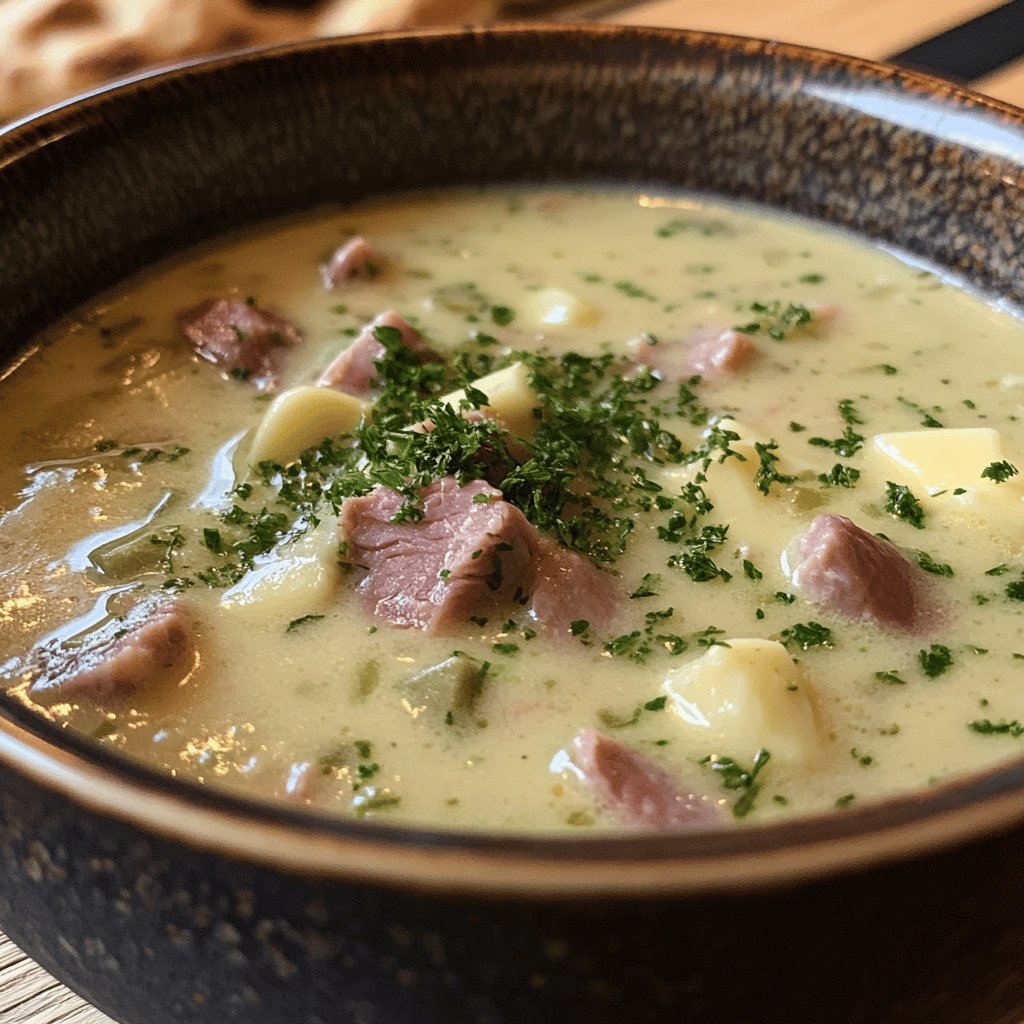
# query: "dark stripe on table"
971, 50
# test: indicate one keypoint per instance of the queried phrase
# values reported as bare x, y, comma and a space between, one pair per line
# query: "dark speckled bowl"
162, 902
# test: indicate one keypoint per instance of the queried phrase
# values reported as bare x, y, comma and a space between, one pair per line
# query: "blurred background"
53, 49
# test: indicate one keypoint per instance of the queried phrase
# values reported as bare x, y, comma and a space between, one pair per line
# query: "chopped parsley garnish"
927, 419
901, 503
579, 627
848, 412
707, 228
999, 472
986, 727
839, 476
776, 320
171, 540
891, 676
807, 635
648, 586
735, 777
634, 291
302, 621
845, 446
751, 571
502, 315
767, 474
611, 720
695, 560
213, 541
935, 660
926, 562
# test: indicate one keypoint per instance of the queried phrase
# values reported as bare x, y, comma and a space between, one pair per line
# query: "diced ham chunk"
470, 551
637, 793
857, 575
708, 351
355, 370
246, 342
356, 258
148, 647
570, 588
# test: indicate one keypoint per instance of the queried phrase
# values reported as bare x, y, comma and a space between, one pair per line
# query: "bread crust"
52, 49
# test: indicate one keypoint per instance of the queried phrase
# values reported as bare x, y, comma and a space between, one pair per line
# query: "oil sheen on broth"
732, 408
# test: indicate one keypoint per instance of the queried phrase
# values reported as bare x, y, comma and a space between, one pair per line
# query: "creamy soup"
532, 511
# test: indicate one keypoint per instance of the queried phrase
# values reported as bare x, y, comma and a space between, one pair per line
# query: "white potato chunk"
296, 578
302, 417
938, 463
510, 398
554, 308
744, 697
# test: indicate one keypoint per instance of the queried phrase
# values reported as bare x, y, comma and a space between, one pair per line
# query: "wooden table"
878, 29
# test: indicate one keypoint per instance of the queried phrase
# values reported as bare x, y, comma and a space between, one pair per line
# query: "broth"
125, 455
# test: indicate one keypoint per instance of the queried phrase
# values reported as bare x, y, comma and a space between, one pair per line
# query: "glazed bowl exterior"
162, 902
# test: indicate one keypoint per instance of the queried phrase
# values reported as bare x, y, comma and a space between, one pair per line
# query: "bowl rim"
955, 812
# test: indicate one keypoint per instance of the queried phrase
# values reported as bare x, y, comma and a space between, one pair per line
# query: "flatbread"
52, 49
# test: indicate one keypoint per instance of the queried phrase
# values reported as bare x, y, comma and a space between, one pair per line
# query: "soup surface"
727, 529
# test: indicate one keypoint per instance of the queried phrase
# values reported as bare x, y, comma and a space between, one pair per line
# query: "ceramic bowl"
161, 902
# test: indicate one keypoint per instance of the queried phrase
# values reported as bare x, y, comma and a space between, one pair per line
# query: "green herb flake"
999, 472
735, 777
767, 474
986, 727
847, 445
776, 320
213, 541
648, 586
935, 660
612, 720
891, 676
807, 635
634, 291
839, 476
502, 315
926, 562
901, 503
301, 621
